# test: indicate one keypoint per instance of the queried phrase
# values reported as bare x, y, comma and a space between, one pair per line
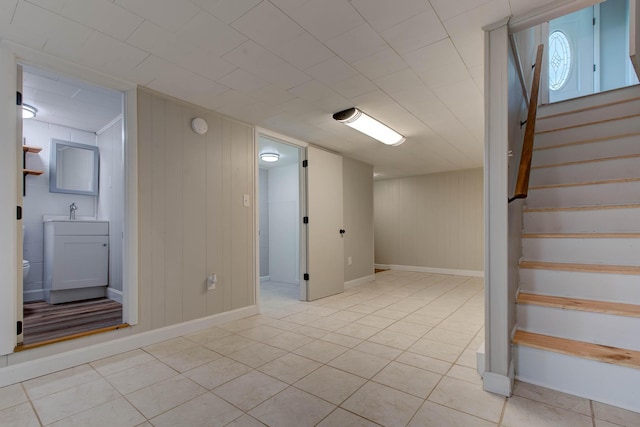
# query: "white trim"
547, 13
455, 272
114, 294
499, 384
130, 253
33, 295
265, 278
108, 125
359, 281
46, 365
480, 361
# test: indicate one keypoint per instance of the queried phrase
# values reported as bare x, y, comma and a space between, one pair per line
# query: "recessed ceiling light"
270, 157
28, 111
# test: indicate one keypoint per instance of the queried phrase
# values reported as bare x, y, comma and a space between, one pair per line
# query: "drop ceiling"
288, 65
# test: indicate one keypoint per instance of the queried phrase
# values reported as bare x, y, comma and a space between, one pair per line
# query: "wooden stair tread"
600, 353
578, 184
583, 208
581, 235
590, 108
585, 268
581, 162
594, 306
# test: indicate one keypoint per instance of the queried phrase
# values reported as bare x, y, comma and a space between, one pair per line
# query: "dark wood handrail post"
522, 184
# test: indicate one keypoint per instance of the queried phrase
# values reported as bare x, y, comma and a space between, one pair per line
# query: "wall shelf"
28, 149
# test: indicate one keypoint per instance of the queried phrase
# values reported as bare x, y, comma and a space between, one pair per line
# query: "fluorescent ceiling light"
368, 125
28, 111
270, 157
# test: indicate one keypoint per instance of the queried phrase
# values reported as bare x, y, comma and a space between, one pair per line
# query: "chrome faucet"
72, 211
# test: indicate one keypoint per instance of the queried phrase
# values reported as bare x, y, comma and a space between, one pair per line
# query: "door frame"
12, 54
302, 185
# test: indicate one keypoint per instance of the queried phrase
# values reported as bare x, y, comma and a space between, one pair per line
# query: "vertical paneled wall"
433, 221
357, 180
111, 196
192, 220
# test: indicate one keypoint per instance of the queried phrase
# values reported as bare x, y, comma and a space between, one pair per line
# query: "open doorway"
279, 198
73, 208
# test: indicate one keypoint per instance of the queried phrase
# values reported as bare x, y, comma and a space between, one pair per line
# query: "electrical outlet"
349, 260
212, 280
245, 201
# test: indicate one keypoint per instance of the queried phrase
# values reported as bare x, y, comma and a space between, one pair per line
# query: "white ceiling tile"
354, 86
303, 51
357, 43
520, 7
225, 10
206, 64
148, 70
400, 81
242, 81
384, 14
470, 46
157, 40
416, 32
380, 64
332, 103
447, 9
475, 18
433, 56
272, 94
463, 98
325, 19
214, 98
110, 55
181, 83
268, 25
169, 14
207, 34
445, 75
311, 90
103, 16
332, 70
273, 69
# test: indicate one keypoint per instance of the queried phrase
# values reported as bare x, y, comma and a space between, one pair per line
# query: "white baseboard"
470, 273
498, 383
34, 295
480, 360
29, 369
114, 294
265, 278
359, 281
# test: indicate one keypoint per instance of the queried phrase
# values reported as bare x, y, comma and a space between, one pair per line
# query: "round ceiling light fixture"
199, 125
270, 157
28, 111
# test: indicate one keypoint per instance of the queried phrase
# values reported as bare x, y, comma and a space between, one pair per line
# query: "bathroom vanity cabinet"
76, 260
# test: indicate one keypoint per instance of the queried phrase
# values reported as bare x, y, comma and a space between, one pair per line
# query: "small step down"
581, 184
585, 268
600, 353
593, 306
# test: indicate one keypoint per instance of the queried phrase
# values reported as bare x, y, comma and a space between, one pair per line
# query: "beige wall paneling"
214, 223
158, 202
432, 221
358, 218
145, 223
194, 204
173, 212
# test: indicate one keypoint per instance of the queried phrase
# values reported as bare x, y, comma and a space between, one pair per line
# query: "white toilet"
25, 263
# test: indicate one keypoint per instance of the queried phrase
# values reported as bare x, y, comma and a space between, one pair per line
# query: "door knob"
342, 231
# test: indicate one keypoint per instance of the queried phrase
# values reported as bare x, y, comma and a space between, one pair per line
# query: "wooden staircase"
578, 305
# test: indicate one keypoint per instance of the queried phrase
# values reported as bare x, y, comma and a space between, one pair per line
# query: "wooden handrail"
522, 184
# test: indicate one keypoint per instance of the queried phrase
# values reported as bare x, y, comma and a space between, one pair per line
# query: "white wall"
263, 197
38, 201
111, 198
430, 221
284, 224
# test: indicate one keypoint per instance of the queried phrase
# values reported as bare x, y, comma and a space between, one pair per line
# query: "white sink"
62, 218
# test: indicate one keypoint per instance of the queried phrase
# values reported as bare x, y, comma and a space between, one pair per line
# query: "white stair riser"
596, 100
596, 328
587, 172
622, 251
623, 220
588, 116
594, 150
623, 288
603, 382
617, 193
588, 132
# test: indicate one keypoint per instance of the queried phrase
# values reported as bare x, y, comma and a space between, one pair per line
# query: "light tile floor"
396, 352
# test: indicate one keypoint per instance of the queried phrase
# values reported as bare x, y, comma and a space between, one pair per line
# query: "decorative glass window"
559, 60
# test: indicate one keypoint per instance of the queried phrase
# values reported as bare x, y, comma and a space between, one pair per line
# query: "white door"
20, 160
571, 55
325, 265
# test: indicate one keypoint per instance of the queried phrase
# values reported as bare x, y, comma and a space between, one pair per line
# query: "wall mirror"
73, 168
